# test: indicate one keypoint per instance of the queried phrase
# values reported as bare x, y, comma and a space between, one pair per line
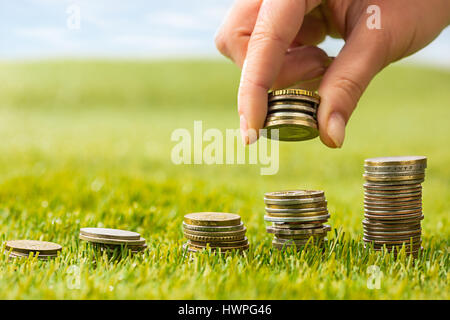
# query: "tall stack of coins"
393, 202
294, 113
216, 230
42, 249
297, 216
110, 240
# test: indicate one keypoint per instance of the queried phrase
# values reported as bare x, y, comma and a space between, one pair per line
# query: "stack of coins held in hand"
216, 230
297, 216
110, 240
42, 249
294, 113
393, 202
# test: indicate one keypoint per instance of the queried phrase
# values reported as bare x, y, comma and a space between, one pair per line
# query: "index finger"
277, 24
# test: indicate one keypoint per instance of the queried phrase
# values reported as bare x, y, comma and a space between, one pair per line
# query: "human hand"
274, 42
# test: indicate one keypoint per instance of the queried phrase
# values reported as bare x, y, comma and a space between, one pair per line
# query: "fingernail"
244, 129
336, 128
314, 73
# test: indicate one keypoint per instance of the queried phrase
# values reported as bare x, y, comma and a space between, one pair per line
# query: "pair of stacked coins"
215, 230
111, 240
23, 248
393, 202
297, 216
294, 113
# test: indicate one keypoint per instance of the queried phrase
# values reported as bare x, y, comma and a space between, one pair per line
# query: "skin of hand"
274, 42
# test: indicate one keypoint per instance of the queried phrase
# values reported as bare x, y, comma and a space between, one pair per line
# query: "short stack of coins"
296, 216
294, 113
23, 248
214, 230
113, 240
393, 202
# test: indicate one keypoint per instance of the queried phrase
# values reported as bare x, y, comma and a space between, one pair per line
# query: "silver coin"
397, 160
293, 201
290, 232
393, 211
395, 183
396, 232
388, 174
398, 168
312, 205
297, 219
296, 226
213, 228
393, 233
307, 108
388, 226
108, 233
293, 98
294, 194
291, 130
294, 211
393, 195
396, 218
391, 208
390, 203
394, 192
289, 115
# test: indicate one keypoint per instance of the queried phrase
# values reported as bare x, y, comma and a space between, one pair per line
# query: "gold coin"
27, 246
214, 229
395, 209
212, 219
390, 243
297, 225
301, 214
296, 243
279, 116
322, 218
396, 197
291, 130
392, 203
297, 206
126, 247
141, 241
391, 161
237, 233
398, 218
224, 249
388, 233
396, 183
381, 227
236, 243
288, 232
214, 239
294, 194
292, 107
387, 238
24, 255
293, 92
388, 188
301, 236
393, 192
393, 178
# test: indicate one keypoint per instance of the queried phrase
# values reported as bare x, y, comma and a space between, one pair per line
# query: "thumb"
362, 57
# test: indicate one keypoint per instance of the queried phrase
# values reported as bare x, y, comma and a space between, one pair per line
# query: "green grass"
88, 144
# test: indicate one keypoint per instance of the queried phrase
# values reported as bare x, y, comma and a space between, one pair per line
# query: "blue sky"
142, 29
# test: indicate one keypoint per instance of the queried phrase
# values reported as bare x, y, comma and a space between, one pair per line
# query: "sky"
36, 29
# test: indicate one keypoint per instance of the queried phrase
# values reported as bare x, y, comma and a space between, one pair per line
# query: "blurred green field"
87, 143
